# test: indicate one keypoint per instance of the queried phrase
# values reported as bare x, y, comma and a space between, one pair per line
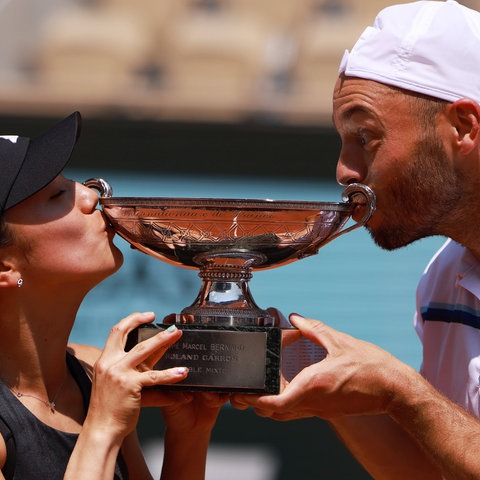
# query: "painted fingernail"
171, 329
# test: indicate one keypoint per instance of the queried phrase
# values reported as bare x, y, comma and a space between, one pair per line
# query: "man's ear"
465, 117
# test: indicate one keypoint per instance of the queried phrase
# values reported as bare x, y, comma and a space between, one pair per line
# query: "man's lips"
359, 211
363, 201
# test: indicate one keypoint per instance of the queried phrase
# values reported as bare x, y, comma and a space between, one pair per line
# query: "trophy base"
221, 358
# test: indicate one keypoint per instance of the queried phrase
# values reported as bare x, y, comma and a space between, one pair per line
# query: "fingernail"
147, 314
171, 329
182, 370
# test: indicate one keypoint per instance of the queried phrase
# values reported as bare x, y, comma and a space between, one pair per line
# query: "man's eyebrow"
350, 112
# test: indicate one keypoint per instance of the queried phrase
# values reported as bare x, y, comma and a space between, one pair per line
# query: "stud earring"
20, 282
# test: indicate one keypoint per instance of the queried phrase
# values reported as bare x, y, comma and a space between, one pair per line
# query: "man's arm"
446, 432
384, 449
359, 379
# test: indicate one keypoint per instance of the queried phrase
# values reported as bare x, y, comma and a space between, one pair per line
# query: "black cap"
29, 164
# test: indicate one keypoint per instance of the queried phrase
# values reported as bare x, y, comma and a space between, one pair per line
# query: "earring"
20, 282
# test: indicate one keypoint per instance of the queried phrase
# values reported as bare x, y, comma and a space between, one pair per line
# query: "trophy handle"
348, 195
101, 185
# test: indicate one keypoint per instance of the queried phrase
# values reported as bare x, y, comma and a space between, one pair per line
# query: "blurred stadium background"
203, 86
201, 60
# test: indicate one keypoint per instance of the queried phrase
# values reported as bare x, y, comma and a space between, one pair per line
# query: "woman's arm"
133, 456
189, 425
118, 380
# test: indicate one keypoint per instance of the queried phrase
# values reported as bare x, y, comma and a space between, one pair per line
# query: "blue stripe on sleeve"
451, 314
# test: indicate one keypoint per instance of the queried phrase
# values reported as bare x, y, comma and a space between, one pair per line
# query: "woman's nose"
88, 198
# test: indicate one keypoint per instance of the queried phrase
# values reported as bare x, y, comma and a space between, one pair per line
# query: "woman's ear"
9, 276
465, 117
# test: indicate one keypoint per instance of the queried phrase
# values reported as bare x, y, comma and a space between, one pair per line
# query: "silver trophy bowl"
228, 239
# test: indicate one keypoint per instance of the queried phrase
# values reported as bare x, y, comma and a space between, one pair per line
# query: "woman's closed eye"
58, 194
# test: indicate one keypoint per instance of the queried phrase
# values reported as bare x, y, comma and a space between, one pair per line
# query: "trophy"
229, 343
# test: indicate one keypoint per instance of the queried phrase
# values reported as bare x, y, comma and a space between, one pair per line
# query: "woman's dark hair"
5, 235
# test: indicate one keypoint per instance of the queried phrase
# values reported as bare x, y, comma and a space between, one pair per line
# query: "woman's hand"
118, 380
119, 376
199, 412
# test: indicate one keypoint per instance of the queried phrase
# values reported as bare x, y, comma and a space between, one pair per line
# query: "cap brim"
46, 157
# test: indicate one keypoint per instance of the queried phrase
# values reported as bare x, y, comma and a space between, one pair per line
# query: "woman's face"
60, 236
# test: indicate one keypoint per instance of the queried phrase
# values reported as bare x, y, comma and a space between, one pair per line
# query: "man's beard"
424, 193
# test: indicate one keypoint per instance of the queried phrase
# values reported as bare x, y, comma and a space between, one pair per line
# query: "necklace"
49, 403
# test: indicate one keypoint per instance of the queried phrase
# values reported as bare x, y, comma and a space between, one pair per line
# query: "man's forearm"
445, 431
384, 449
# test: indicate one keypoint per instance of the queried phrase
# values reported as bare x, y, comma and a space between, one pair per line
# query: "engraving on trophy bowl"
228, 342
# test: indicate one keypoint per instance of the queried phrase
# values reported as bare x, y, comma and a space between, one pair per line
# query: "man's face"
387, 146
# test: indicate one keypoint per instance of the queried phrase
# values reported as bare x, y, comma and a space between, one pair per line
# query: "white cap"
429, 47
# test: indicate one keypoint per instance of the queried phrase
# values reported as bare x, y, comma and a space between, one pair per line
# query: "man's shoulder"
448, 257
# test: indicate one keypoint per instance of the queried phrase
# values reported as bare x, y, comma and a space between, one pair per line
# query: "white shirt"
448, 324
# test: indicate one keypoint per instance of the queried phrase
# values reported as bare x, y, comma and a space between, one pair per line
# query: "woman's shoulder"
87, 355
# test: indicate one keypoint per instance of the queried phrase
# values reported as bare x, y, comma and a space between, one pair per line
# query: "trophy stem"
224, 297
